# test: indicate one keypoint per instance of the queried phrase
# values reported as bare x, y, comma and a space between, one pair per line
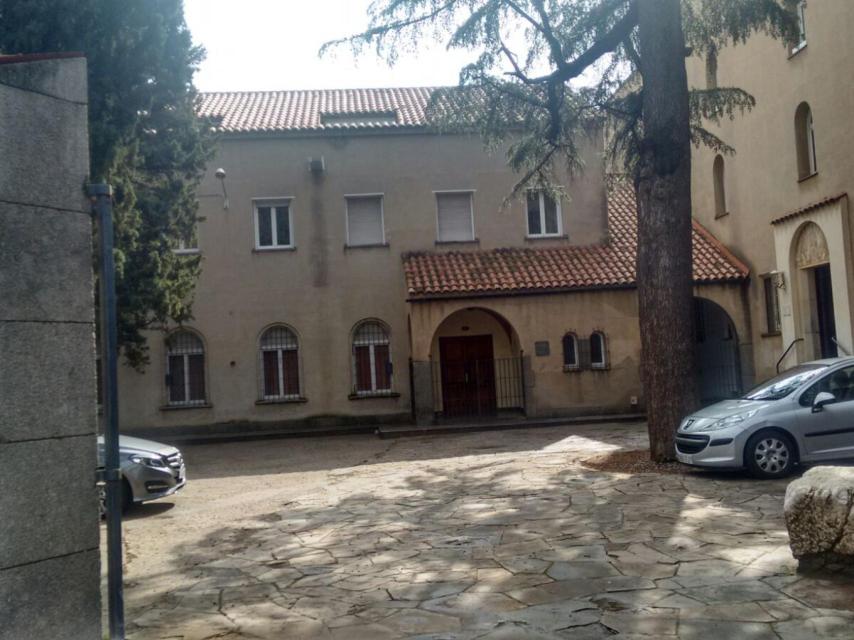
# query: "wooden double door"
468, 376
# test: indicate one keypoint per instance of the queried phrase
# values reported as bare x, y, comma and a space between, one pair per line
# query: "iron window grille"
279, 353
372, 369
185, 369
772, 305
570, 352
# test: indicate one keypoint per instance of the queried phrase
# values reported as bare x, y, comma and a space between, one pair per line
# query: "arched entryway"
814, 292
476, 365
716, 352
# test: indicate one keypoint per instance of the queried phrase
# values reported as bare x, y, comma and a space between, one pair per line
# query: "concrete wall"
322, 288
49, 561
762, 180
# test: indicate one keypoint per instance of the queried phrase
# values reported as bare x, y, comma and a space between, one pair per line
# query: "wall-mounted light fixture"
220, 175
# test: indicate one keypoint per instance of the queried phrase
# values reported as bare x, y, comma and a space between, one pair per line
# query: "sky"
264, 45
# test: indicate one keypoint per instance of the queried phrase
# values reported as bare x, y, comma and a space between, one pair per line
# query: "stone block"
46, 154
47, 380
819, 510
56, 598
45, 264
49, 490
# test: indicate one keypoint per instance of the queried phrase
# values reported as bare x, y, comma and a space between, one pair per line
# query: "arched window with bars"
279, 353
570, 351
598, 351
805, 142
185, 369
372, 370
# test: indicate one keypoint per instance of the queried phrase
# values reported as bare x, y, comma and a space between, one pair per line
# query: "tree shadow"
523, 543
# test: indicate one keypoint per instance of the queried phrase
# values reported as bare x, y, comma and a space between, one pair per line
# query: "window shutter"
364, 221
175, 379
381, 367
584, 353
290, 366
271, 373
363, 368
455, 217
197, 376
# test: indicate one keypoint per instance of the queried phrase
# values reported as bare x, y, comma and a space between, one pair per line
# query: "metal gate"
478, 388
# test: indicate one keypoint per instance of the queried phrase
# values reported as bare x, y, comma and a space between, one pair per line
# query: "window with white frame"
455, 216
365, 221
598, 352
188, 244
185, 369
273, 224
802, 27
280, 378
372, 370
570, 351
543, 215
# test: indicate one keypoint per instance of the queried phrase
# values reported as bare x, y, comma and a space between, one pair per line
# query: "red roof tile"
507, 271
810, 207
289, 111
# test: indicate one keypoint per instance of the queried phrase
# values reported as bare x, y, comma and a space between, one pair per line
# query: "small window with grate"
185, 369
280, 379
372, 370
570, 352
273, 224
772, 305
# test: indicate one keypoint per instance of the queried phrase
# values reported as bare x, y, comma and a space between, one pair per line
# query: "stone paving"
499, 543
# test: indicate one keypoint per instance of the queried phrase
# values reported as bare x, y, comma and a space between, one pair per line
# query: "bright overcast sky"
273, 44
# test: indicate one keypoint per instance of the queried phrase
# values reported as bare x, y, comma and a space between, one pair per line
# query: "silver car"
150, 470
804, 415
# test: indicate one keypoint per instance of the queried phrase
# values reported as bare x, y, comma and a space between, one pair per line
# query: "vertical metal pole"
522, 381
102, 196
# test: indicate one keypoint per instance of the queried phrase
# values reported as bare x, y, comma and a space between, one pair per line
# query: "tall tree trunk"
664, 264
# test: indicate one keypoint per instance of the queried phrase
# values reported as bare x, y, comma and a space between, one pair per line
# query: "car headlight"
148, 462
730, 421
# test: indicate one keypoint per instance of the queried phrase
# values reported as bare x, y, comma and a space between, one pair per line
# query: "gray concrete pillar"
422, 386
49, 558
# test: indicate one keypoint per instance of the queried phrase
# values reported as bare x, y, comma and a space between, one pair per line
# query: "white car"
150, 470
803, 415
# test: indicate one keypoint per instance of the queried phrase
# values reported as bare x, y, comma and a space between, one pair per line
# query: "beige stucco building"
781, 202
365, 269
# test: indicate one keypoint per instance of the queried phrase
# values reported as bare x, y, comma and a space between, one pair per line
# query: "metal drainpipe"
102, 205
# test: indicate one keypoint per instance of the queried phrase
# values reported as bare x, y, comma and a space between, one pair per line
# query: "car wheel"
770, 455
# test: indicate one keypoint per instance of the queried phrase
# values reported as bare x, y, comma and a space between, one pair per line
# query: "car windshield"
783, 384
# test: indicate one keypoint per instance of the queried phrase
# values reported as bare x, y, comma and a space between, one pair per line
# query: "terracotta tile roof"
319, 110
810, 207
549, 269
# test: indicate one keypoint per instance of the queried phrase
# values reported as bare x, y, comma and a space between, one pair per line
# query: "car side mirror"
821, 400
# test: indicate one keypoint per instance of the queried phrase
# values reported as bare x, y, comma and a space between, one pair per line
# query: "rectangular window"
188, 245
544, 217
273, 225
772, 305
455, 217
363, 369
365, 221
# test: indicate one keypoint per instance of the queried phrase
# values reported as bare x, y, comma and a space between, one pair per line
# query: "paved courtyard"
501, 535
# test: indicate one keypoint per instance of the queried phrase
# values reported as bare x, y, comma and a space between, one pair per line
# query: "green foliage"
145, 139
546, 72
